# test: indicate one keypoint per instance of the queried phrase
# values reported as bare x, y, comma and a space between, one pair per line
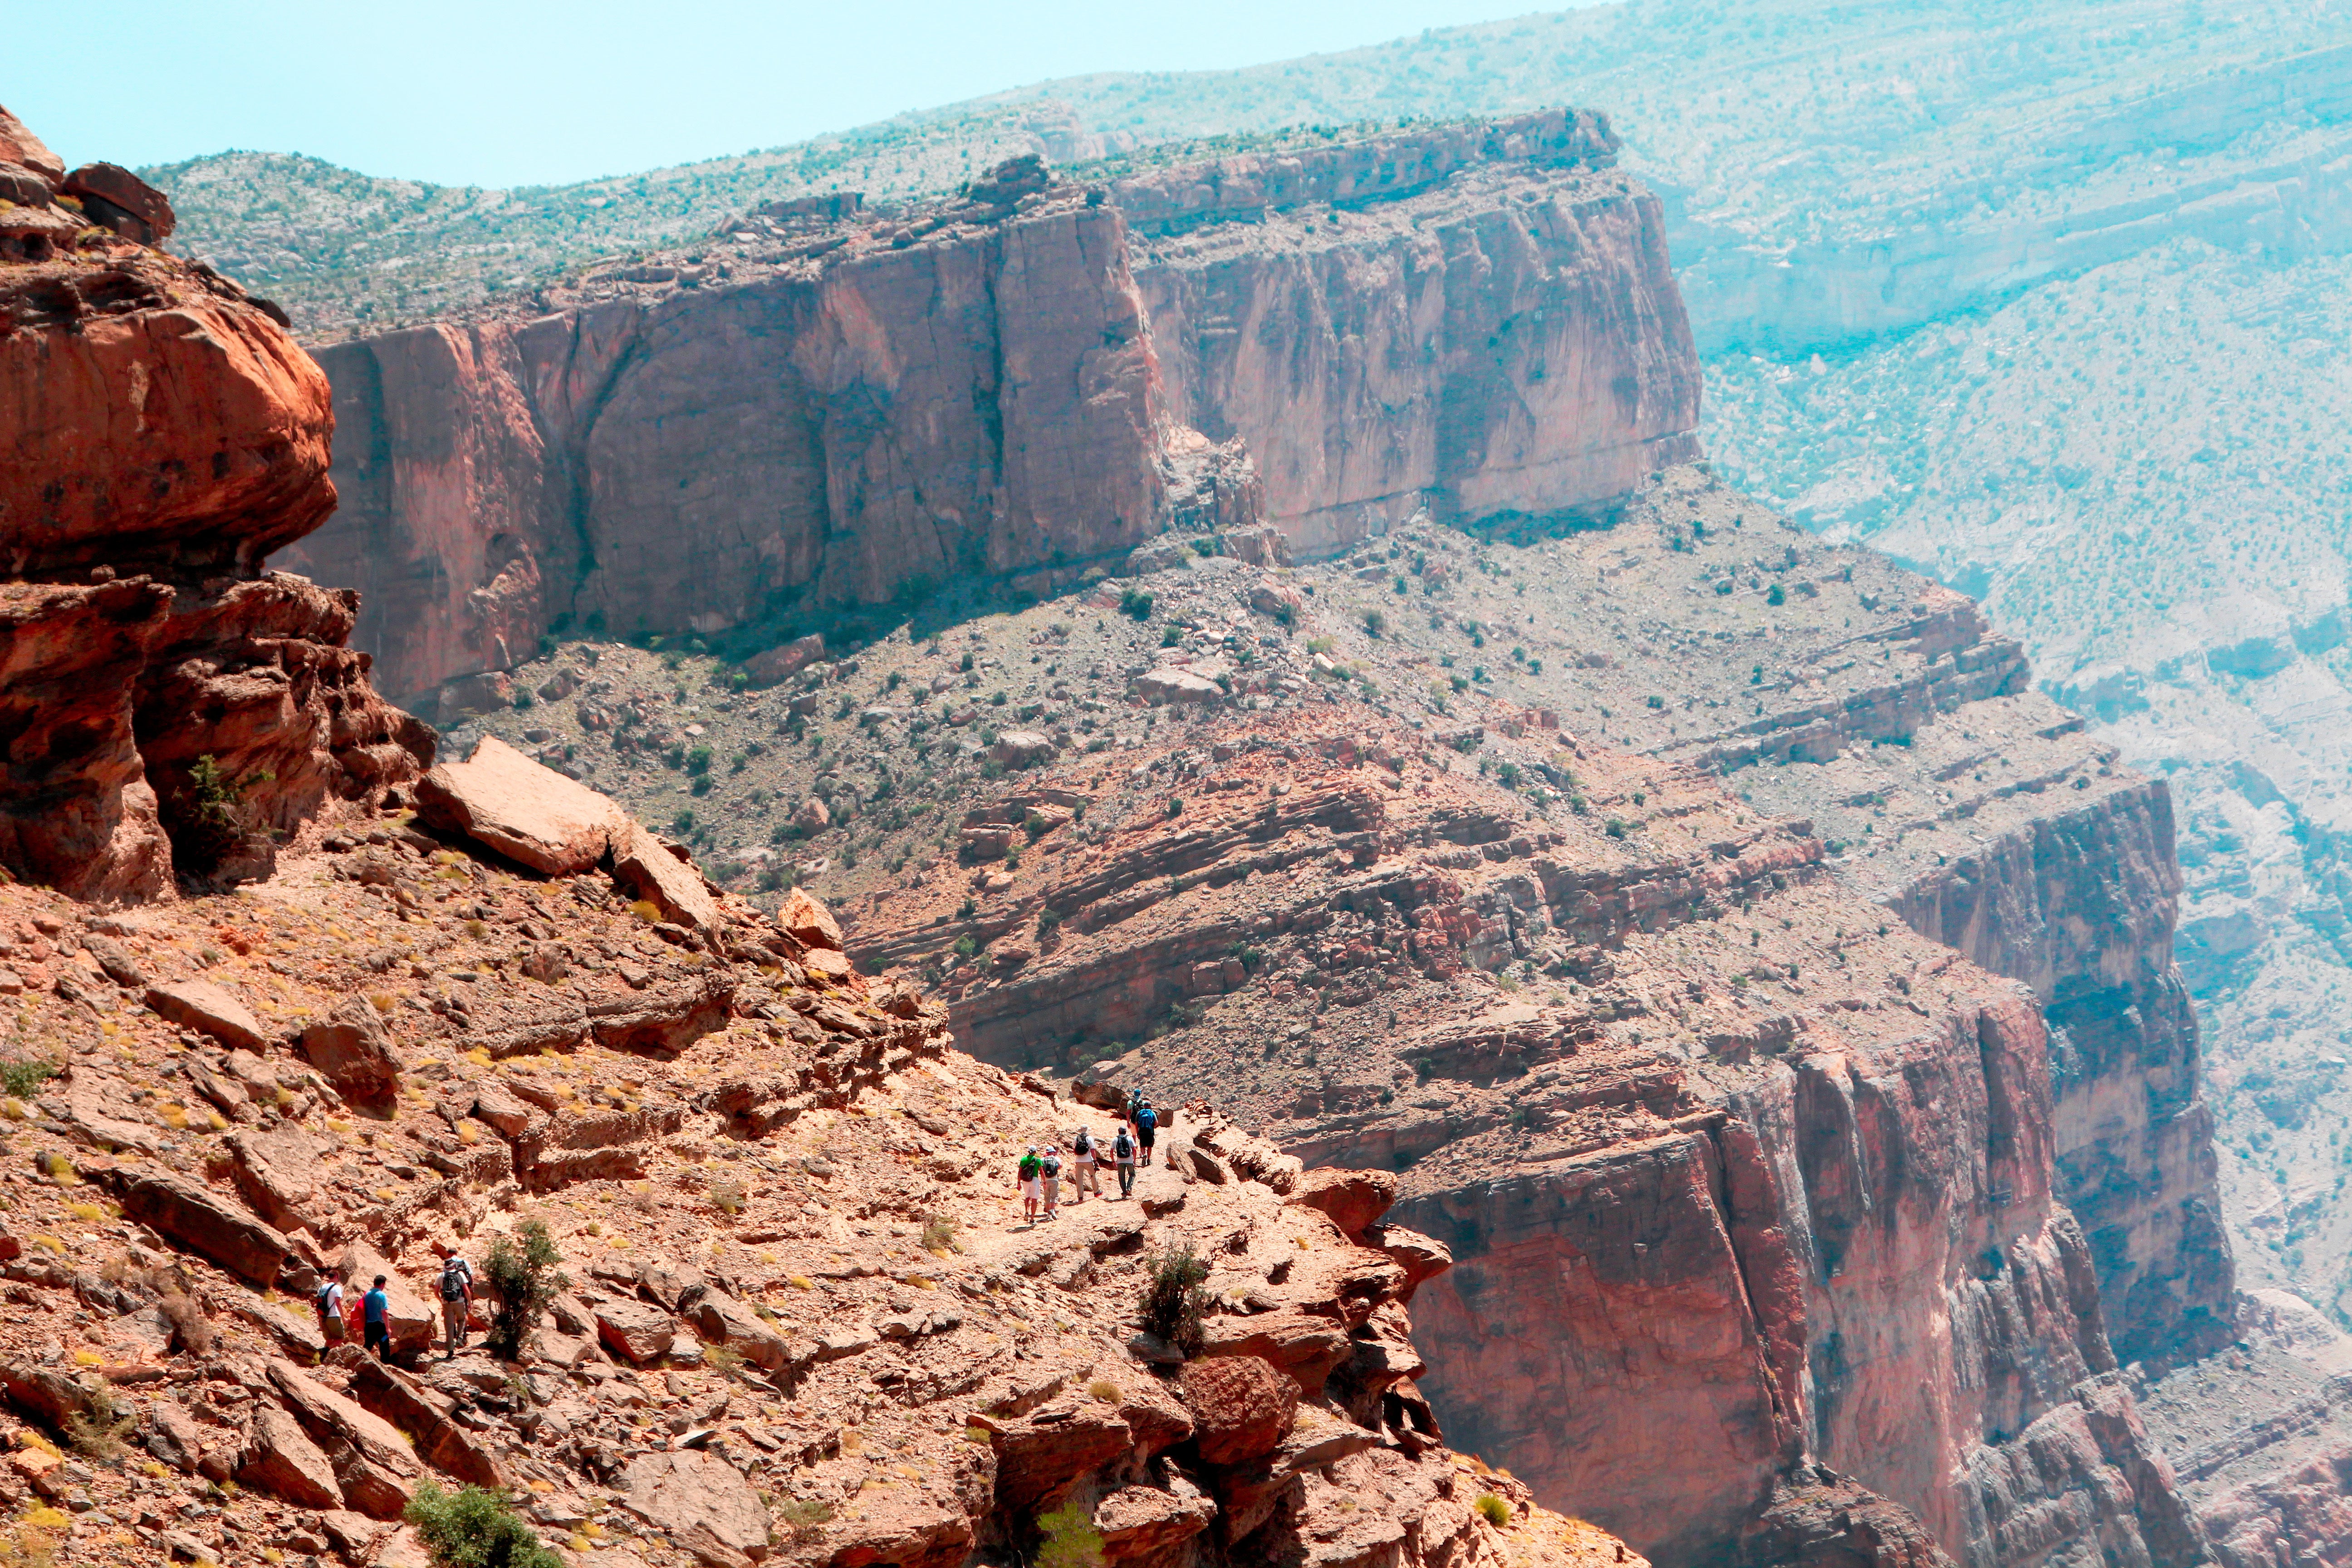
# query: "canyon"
1939, 1223
2040, 299
1404, 755
476, 1011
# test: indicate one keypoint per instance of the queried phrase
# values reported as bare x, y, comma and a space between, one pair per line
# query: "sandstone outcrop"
1196, 347
172, 708
733, 1373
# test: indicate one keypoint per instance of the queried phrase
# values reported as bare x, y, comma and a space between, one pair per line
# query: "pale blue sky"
506, 92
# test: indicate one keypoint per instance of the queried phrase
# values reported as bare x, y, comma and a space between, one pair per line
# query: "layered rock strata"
169, 705
1759, 1176
1829, 685
832, 406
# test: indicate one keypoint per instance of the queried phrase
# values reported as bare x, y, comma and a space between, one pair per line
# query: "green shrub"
1493, 1509
23, 1079
1174, 1302
1069, 1538
96, 1431
213, 819
472, 1528
1133, 605
800, 1519
526, 1281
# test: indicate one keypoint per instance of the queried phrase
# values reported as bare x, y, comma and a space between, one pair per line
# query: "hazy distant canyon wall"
828, 408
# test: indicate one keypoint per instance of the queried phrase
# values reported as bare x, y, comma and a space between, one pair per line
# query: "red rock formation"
1504, 341
830, 408
164, 706
1707, 1217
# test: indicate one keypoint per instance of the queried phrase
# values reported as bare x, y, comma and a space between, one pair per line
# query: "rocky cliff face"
827, 406
776, 1195
1737, 1170
169, 705
538, 1031
1421, 322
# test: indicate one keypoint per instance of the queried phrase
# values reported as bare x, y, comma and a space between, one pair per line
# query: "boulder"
778, 663
1023, 749
22, 186
340, 1422
1271, 597
46, 1391
413, 1321
1155, 1418
701, 1502
1147, 1521
1038, 1455
1304, 1346
281, 1459
1172, 683
171, 1435
1353, 1199
353, 1050
115, 959
204, 1221
19, 145
809, 922
642, 862
207, 1008
109, 193
501, 1110
722, 1319
526, 812
1421, 1257
1242, 1408
273, 1172
634, 1332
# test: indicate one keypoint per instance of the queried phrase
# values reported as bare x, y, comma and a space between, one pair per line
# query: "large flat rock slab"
528, 813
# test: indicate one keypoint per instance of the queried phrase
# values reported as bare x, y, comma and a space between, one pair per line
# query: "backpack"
1053, 1164
325, 1297
455, 1277
1029, 1166
1084, 1144
1146, 1118
1123, 1146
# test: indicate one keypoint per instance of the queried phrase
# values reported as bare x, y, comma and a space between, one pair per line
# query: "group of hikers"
1039, 1175
368, 1315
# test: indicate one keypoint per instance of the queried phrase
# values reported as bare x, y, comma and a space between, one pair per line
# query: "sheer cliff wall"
827, 407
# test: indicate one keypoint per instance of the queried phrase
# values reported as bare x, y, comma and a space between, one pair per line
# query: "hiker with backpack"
1030, 1180
1052, 1172
376, 1316
1122, 1149
457, 1300
1083, 1159
1147, 1126
330, 1302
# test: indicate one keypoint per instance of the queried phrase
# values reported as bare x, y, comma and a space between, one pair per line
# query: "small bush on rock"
1173, 1301
475, 1529
526, 1281
1493, 1509
799, 1519
97, 1430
